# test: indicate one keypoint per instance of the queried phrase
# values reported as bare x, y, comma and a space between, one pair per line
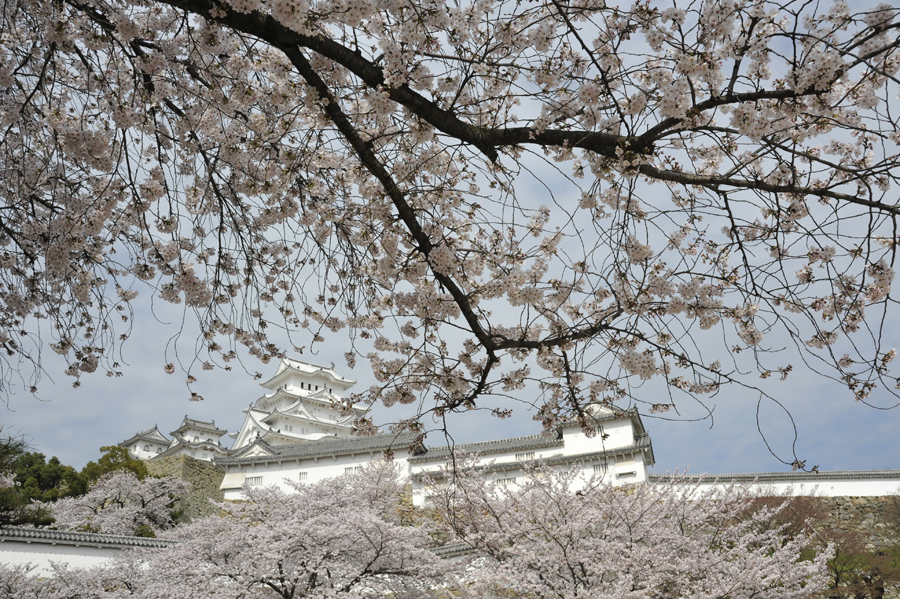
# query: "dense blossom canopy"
356, 536
338, 538
120, 504
548, 541
477, 194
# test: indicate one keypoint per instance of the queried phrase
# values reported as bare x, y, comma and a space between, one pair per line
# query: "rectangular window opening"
525, 457
254, 480
304, 475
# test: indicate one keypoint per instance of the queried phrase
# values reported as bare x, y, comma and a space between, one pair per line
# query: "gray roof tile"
784, 476
327, 447
199, 425
489, 447
152, 434
642, 443
65, 537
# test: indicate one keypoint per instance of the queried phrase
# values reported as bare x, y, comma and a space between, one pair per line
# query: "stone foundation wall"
205, 478
874, 526
877, 518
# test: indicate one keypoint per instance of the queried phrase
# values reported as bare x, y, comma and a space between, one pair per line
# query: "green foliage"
144, 531
39, 480
47, 481
15, 504
177, 514
114, 458
16, 510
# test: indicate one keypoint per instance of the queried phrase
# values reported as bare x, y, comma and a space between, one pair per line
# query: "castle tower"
300, 407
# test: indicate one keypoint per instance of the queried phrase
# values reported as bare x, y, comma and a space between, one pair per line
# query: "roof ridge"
782, 474
328, 446
72, 536
492, 441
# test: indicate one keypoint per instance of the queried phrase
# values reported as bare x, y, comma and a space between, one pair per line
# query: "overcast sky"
834, 431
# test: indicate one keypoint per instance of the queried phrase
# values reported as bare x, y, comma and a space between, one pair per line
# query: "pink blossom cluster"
297, 172
554, 533
564, 534
120, 504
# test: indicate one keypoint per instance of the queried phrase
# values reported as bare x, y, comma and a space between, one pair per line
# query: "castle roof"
183, 445
489, 447
307, 416
327, 446
200, 425
289, 367
84, 539
153, 435
748, 477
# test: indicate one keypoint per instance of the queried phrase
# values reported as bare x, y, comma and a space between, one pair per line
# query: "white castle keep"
294, 432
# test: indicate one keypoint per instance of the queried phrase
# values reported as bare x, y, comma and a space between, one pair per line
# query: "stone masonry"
204, 477
876, 518
877, 521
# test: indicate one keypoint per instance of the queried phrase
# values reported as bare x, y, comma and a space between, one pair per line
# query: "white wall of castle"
40, 554
826, 484
307, 470
146, 450
623, 467
578, 450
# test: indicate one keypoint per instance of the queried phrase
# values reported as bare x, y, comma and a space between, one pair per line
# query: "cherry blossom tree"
120, 577
120, 504
333, 538
341, 537
474, 196
544, 539
347, 537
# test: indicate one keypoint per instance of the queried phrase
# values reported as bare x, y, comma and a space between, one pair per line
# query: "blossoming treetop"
723, 172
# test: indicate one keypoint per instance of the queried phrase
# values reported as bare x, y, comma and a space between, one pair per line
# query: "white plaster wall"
621, 434
16, 553
420, 491
575, 443
140, 454
824, 487
316, 470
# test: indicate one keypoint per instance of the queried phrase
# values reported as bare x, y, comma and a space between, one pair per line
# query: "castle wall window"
352, 469
159, 450
196, 439
254, 480
601, 468
146, 448
303, 476
525, 457
505, 482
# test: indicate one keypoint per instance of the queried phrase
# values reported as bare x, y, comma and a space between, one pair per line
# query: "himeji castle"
294, 433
